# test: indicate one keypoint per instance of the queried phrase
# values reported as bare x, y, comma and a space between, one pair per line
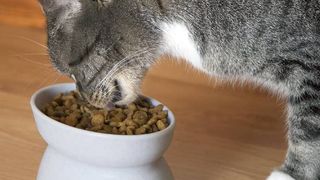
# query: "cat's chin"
129, 89
127, 99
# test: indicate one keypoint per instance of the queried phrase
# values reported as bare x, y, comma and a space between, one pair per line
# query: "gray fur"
274, 42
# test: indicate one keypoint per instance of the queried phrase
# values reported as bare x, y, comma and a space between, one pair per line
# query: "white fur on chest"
178, 41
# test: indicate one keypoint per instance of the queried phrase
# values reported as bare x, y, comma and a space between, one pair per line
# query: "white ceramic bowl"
75, 154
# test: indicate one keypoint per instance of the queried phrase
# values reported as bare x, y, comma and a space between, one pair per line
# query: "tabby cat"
107, 46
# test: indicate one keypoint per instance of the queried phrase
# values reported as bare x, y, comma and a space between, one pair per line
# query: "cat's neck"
178, 35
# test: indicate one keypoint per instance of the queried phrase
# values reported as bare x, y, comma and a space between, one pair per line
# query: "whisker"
31, 54
109, 81
116, 69
124, 59
110, 90
114, 87
55, 80
112, 71
47, 79
34, 62
31, 40
121, 64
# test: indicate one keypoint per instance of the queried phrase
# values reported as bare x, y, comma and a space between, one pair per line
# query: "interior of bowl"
45, 95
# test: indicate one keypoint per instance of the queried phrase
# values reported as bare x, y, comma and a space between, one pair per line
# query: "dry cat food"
136, 118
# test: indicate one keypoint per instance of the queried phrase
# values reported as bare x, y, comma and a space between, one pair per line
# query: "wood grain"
26, 13
224, 132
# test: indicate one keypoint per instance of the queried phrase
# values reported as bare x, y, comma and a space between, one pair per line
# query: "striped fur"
275, 43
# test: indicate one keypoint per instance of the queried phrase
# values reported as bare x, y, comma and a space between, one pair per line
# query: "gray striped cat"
108, 45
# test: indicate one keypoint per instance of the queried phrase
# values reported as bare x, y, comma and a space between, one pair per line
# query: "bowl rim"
57, 124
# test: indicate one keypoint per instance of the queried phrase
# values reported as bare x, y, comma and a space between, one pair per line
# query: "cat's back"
292, 17
255, 27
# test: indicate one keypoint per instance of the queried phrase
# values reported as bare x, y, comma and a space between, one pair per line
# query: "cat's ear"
72, 6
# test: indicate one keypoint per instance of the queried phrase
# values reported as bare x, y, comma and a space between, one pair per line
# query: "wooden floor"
224, 132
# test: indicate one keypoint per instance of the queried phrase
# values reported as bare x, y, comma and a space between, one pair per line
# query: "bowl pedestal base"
56, 166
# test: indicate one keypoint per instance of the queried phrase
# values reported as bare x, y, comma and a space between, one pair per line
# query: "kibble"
161, 125
140, 130
97, 120
136, 118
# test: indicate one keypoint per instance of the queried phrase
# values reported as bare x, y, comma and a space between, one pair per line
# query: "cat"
107, 46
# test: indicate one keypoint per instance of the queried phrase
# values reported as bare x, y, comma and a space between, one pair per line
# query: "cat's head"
106, 46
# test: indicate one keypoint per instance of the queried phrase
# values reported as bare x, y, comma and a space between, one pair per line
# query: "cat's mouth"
121, 91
